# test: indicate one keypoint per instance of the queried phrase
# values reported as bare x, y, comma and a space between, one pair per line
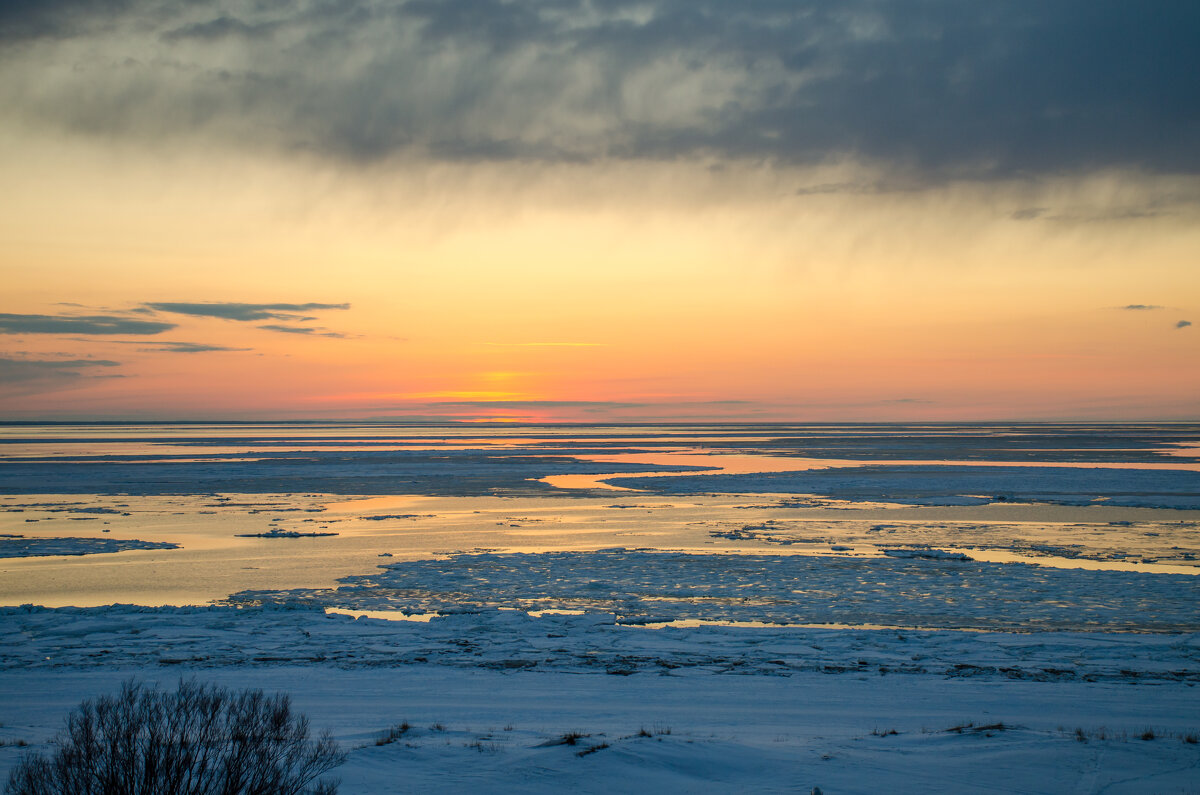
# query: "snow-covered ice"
919, 588
807, 630
935, 484
11, 547
591, 642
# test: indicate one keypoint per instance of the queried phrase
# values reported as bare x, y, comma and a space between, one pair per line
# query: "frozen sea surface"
151, 638
859, 613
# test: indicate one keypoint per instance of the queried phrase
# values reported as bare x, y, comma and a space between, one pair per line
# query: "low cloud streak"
310, 331
79, 324
17, 371
229, 310
190, 347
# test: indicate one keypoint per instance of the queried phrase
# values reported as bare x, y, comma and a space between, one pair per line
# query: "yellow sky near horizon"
674, 285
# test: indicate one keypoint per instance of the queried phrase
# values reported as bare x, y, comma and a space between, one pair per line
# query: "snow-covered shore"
474, 730
490, 695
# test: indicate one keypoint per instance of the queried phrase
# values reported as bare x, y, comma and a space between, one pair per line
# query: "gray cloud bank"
936, 88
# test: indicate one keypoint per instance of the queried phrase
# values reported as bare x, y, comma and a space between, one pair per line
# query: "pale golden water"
581, 513
214, 562
741, 464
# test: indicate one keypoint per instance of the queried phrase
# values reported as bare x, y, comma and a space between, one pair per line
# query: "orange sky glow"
707, 284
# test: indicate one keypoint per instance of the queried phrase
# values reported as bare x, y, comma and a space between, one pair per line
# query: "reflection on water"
692, 623
1055, 562
722, 464
387, 615
718, 463
578, 512
361, 504
680, 623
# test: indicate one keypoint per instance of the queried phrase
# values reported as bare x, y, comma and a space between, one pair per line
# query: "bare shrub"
196, 740
393, 734
591, 749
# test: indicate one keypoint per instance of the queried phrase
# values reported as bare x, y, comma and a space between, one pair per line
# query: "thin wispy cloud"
851, 188
546, 344
1155, 207
1141, 307
537, 404
79, 324
518, 404
166, 346
229, 310
191, 347
1150, 210
310, 331
18, 370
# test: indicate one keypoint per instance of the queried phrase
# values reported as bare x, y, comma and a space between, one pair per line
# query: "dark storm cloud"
220, 28
934, 89
79, 324
21, 20
1183, 324
236, 311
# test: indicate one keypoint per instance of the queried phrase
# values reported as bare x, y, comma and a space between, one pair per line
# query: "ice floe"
39, 547
920, 588
952, 485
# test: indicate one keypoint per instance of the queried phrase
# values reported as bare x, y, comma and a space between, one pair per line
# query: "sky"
672, 210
